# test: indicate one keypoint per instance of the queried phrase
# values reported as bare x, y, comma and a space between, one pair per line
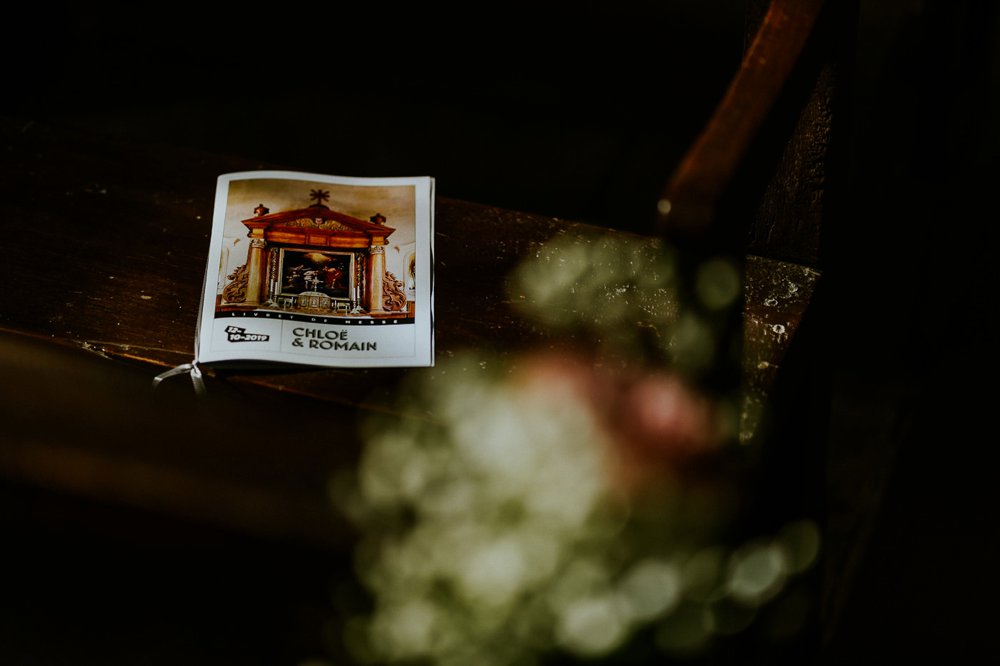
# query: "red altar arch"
318, 260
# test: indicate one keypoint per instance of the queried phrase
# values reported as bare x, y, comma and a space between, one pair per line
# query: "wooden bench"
106, 244
106, 248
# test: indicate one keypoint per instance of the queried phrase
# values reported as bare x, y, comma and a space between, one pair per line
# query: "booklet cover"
319, 270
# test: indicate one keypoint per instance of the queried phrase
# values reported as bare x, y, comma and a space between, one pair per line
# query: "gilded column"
255, 271
376, 275
273, 282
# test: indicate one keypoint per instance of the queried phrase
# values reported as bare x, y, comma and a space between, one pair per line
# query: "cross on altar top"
319, 196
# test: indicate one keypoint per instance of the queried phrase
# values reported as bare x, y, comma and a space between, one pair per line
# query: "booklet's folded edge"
193, 368
432, 264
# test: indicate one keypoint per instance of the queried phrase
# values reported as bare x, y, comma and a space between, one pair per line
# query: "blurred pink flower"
655, 422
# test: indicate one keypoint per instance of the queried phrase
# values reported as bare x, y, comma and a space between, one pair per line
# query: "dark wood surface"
910, 329
106, 247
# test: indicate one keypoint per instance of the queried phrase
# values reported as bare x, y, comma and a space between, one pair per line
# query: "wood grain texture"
106, 248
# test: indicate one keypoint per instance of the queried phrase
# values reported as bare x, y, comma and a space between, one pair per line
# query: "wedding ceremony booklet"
319, 270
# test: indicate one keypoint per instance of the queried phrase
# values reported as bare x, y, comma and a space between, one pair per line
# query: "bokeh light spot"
494, 573
702, 574
801, 543
405, 629
592, 626
693, 345
651, 588
756, 572
718, 283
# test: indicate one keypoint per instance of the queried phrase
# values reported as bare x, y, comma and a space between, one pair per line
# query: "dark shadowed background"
578, 111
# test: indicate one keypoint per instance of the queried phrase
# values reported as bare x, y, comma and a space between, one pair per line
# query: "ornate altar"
315, 259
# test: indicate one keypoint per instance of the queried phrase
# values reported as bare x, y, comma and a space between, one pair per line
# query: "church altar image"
317, 261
